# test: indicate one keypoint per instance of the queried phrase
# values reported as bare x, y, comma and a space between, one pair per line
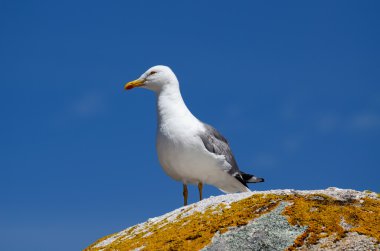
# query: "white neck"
171, 105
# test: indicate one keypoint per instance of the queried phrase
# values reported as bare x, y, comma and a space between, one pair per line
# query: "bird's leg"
200, 186
185, 193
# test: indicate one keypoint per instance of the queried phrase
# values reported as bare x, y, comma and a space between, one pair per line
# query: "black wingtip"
249, 178
260, 180
255, 180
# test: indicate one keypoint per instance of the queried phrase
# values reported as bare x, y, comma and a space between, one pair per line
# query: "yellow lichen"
195, 231
320, 213
325, 219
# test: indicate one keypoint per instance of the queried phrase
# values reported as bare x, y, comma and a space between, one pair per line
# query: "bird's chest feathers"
177, 127
177, 134
178, 145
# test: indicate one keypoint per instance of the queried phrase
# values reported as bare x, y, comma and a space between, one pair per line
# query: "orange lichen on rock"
195, 231
323, 216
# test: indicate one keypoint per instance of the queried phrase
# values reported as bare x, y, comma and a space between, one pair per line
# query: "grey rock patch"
346, 226
352, 242
316, 197
313, 209
271, 231
139, 248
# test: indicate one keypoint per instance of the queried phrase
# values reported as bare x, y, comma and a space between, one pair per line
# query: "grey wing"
216, 143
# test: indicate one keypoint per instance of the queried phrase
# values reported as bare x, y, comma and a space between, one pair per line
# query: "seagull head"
155, 79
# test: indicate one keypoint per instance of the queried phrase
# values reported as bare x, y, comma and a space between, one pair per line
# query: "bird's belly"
186, 161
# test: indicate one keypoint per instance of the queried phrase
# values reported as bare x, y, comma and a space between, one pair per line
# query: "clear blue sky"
294, 86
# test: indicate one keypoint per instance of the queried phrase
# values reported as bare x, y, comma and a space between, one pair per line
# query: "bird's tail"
250, 178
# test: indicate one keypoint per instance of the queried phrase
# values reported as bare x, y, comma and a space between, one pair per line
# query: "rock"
331, 219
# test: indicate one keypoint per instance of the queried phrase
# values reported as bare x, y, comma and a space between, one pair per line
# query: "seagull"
189, 150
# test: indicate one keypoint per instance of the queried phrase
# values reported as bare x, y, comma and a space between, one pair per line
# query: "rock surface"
331, 219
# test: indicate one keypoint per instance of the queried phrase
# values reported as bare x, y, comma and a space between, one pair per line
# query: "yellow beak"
134, 83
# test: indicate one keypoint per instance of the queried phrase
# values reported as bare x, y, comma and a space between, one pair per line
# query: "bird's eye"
152, 72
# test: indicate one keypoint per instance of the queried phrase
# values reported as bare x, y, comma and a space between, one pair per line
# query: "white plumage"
189, 151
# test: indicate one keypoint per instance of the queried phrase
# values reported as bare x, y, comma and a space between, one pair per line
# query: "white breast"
181, 151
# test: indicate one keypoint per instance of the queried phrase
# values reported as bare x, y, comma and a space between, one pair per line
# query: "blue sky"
294, 86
